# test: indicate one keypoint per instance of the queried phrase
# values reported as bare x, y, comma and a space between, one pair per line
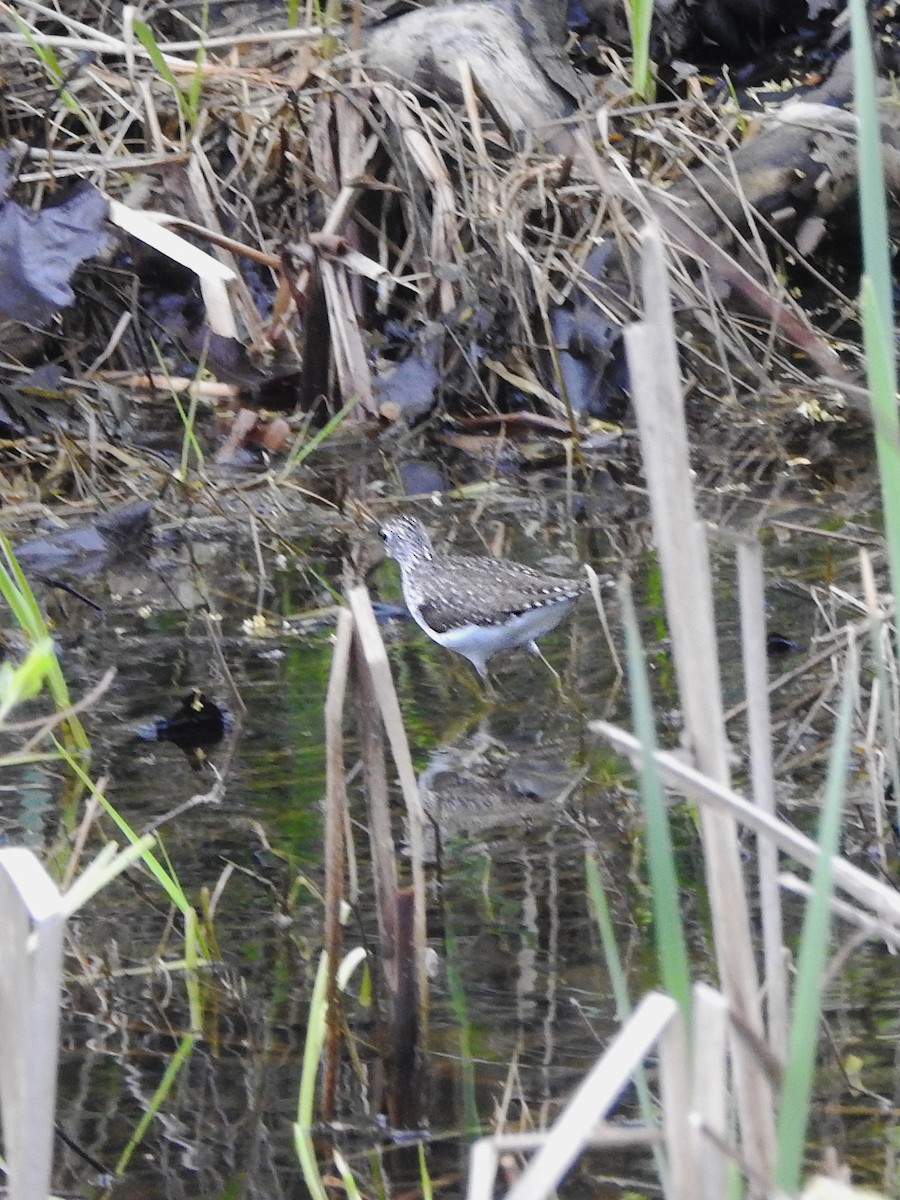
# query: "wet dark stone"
420, 478
86, 548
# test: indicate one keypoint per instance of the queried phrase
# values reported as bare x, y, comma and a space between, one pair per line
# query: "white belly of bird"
478, 643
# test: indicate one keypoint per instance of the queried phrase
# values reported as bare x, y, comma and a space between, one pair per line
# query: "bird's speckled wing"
470, 594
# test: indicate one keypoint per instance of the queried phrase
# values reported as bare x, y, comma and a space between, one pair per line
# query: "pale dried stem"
381, 841
709, 1100
383, 684
751, 587
681, 544
879, 898
334, 854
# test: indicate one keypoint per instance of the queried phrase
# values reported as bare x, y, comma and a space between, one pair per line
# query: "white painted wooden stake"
31, 932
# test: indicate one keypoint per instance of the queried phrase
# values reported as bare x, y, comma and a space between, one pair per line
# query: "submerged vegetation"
322, 295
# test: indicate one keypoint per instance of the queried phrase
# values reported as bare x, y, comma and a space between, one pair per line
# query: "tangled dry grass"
367, 226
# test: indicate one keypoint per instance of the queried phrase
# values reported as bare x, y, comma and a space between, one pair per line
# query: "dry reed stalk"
335, 809
539, 284
867, 928
881, 899
821, 696
214, 276
605, 1135
691, 243
345, 197
376, 659
676, 1088
681, 544
594, 585
43, 726
92, 811
709, 1097
403, 1058
378, 812
751, 587
206, 389
350, 360
338, 174
204, 186
471, 102
414, 130
396, 911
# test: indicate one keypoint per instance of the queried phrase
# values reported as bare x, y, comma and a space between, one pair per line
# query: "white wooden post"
31, 933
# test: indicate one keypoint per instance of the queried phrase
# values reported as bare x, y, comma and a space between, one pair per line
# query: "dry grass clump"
360, 219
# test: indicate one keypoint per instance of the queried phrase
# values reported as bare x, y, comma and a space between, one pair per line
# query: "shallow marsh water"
519, 791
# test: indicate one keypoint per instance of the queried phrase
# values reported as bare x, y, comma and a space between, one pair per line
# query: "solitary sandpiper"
475, 606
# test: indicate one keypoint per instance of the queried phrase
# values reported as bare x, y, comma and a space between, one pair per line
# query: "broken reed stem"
395, 909
680, 540
383, 686
403, 1061
381, 841
751, 589
335, 808
594, 584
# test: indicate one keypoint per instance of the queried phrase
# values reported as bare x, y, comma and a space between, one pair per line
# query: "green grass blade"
878, 338
18, 594
50, 63
316, 1024
624, 1007
671, 945
306, 1100
603, 919
872, 201
806, 1009
22, 682
26, 611
351, 1188
144, 34
165, 879
189, 441
460, 1010
192, 96
108, 864
877, 290
300, 453
640, 18
426, 1185
179, 1058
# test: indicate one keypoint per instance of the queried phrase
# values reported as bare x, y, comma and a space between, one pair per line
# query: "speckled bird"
475, 606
